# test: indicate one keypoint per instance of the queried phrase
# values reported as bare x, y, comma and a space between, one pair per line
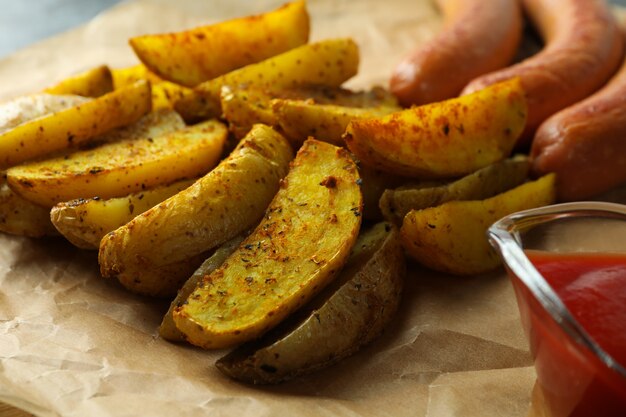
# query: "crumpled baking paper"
75, 344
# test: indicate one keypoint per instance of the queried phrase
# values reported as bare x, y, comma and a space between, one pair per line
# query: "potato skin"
155, 252
196, 55
452, 237
484, 183
478, 37
74, 126
297, 249
445, 139
119, 168
347, 315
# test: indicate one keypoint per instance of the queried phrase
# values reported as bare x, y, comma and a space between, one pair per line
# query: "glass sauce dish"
576, 375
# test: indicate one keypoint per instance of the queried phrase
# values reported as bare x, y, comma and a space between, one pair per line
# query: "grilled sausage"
478, 36
585, 144
584, 48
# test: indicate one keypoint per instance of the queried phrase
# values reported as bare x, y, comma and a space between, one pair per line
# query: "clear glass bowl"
577, 378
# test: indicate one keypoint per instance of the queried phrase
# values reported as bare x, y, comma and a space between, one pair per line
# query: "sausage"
585, 145
584, 47
478, 36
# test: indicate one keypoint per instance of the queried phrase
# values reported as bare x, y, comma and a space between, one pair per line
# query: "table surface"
23, 23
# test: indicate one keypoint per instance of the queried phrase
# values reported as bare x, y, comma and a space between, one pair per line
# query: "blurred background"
23, 22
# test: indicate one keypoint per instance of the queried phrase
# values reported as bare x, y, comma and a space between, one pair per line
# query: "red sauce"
593, 287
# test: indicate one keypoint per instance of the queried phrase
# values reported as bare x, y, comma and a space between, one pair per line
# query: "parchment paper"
74, 344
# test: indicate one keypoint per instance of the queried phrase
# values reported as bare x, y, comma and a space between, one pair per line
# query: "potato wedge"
84, 222
119, 168
164, 94
484, 183
452, 237
329, 63
92, 83
21, 217
347, 315
123, 77
168, 329
298, 248
243, 107
446, 139
299, 119
17, 215
74, 126
158, 250
193, 56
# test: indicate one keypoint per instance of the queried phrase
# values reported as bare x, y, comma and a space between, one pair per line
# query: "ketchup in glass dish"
567, 264
593, 288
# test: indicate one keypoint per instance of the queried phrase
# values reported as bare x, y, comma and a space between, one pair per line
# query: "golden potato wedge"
84, 222
298, 248
119, 168
17, 215
299, 119
74, 126
168, 329
164, 94
193, 56
123, 77
484, 183
347, 315
92, 83
243, 107
158, 250
446, 139
21, 217
452, 237
329, 63
152, 125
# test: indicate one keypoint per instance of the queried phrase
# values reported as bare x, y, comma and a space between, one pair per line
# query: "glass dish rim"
504, 237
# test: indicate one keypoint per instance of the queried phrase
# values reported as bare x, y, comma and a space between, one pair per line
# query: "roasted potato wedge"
122, 167
452, 237
17, 215
484, 183
297, 249
206, 52
329, 63
74, 126
84, 222
446, 139
92, 83
164, 94
158, 250
299, 119
21, 217
123, 77
168, 329
243, 107
347, 315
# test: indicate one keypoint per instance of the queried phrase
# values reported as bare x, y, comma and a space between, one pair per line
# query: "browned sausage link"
586, 144
478, 36
583, 49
